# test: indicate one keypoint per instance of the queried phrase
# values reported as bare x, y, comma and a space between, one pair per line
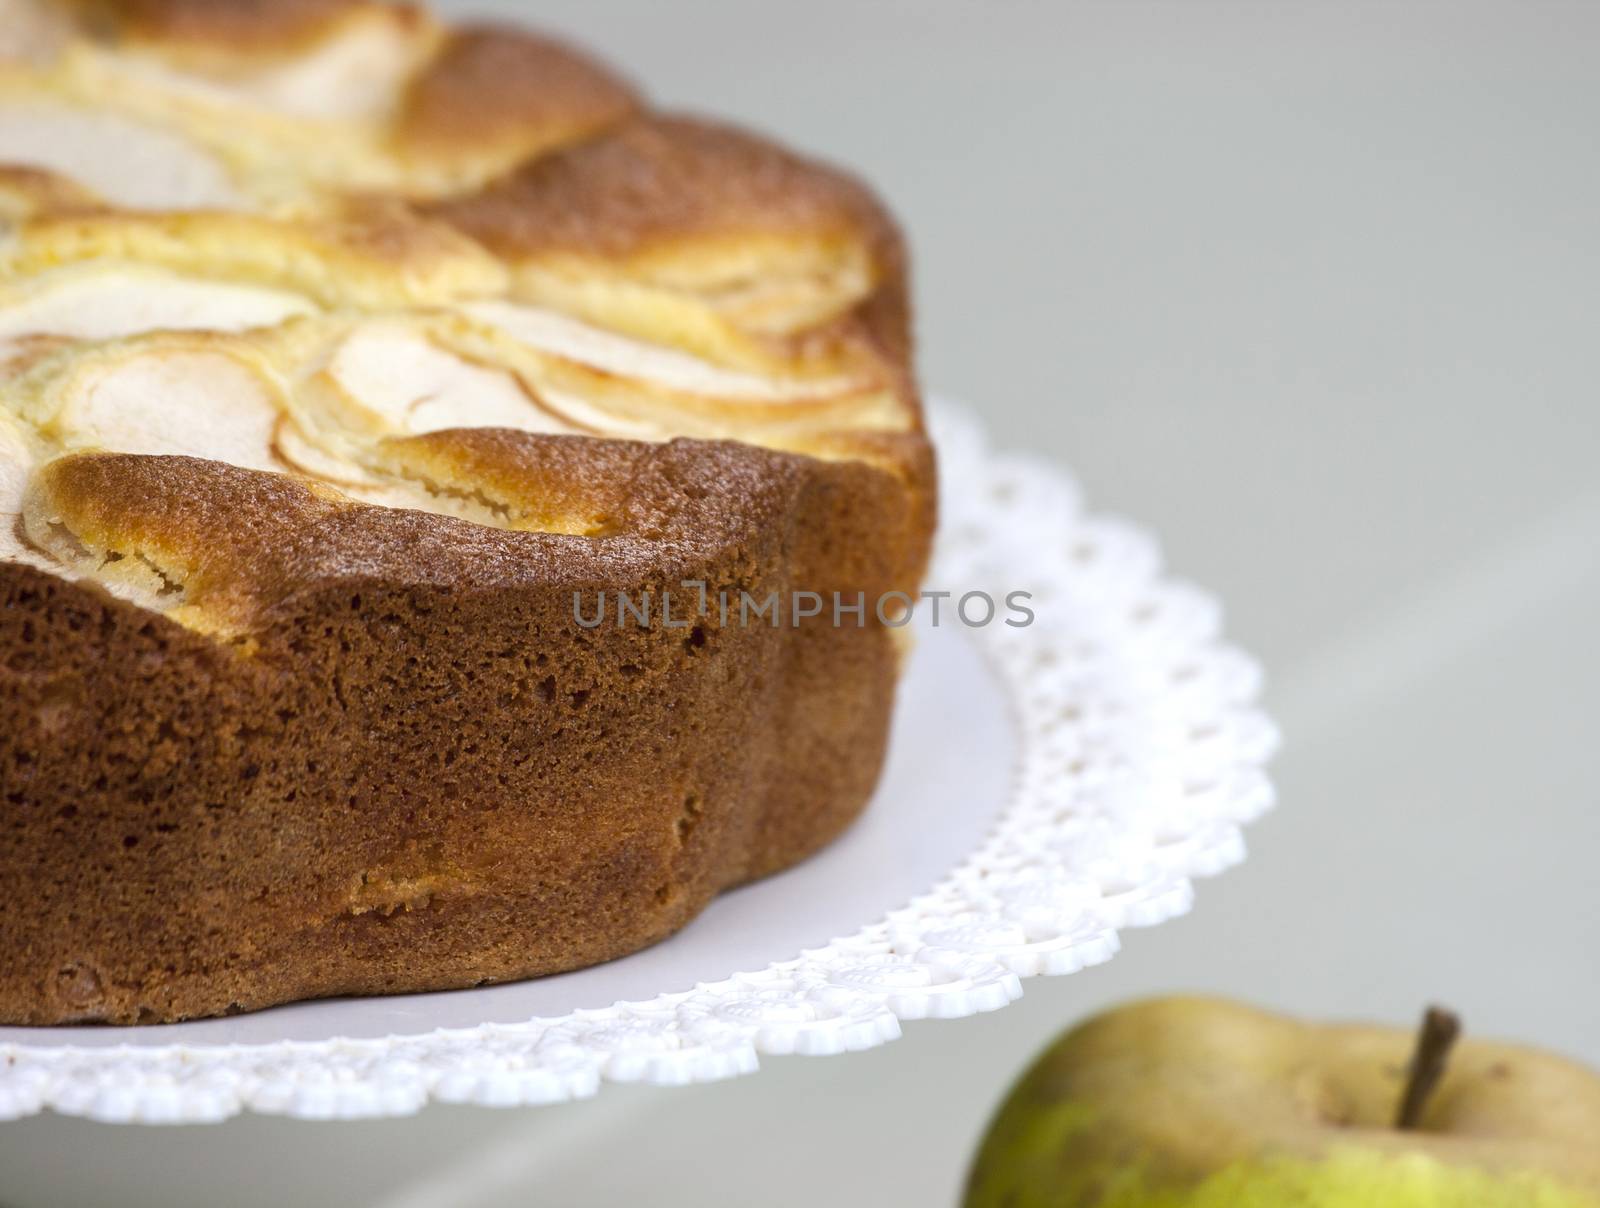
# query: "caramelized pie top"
327, 239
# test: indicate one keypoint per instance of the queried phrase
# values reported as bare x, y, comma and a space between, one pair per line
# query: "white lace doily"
1139, 754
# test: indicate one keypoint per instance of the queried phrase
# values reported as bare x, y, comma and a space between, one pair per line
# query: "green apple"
1199, 1103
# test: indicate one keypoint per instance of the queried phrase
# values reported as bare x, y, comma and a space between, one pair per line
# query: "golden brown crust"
415, 771
227, 25
513, 93
262, 739
659, 180
703, 209
365, 252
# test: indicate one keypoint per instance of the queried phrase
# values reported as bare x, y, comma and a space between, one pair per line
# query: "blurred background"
1313, 289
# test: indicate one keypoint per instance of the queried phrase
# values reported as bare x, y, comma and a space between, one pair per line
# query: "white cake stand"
1047, 785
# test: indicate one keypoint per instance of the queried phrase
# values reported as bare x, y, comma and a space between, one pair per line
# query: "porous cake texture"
344, 357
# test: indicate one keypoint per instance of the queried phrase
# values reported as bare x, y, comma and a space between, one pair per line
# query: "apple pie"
388, 414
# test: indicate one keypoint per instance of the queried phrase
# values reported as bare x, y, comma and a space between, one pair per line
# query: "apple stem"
1435, 1038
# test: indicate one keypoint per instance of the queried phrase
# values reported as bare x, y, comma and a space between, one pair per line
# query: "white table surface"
1314, 289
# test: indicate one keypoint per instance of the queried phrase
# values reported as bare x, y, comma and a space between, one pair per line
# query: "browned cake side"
323, 721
